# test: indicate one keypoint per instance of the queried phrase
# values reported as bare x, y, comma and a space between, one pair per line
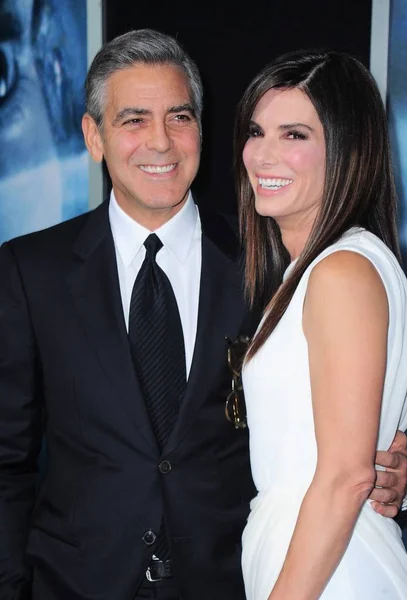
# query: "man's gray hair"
144, 46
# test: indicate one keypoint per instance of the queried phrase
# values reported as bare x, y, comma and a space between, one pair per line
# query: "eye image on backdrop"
43, 162
397, 108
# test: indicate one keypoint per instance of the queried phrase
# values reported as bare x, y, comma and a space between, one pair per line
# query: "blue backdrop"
397, 106
43, 163
397, 112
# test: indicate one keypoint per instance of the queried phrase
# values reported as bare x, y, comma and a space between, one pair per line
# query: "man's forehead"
148, 77
146, 86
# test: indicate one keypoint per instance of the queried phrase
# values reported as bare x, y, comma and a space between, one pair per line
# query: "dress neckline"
290, 268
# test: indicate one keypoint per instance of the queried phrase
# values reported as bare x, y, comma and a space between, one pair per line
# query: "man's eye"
133, 121
183, 118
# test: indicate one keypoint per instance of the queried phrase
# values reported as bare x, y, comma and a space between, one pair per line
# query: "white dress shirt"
180, 258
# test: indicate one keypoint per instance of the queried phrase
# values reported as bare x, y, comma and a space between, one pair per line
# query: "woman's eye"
8, 72
296, 135
254, 132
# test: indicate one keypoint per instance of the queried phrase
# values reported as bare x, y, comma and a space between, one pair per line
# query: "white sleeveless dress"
283, 447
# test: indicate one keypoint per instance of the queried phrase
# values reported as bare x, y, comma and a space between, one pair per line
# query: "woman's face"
285, 158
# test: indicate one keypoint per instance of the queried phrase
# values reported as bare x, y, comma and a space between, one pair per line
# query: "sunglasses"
235, 406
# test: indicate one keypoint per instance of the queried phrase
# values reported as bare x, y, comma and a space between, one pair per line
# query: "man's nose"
159, 139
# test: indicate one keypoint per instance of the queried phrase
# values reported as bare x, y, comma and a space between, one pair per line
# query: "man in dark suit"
140, 499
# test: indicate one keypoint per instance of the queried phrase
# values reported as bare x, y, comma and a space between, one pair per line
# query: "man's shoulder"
221, 219
61, 232
54, 245
223, 230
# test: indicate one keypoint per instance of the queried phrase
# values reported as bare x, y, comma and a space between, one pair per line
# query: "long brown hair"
359, 188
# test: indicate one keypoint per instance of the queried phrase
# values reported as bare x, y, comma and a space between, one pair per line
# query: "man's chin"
167, 202
154, 211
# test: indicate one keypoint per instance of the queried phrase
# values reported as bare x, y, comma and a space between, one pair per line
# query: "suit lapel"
95, 289
221, 310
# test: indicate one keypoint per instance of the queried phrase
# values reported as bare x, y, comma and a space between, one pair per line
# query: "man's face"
150, 141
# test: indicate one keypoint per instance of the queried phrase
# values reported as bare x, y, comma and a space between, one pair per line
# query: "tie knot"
153, 244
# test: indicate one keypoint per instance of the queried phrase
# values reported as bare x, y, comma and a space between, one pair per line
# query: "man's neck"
151, 218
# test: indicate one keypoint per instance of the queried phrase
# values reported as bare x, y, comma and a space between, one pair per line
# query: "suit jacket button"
164, 467
149, 537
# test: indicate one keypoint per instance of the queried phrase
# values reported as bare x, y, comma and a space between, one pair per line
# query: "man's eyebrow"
134, 111
131, 111
182, 108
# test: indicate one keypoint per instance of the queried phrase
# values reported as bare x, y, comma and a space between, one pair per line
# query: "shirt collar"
176, 234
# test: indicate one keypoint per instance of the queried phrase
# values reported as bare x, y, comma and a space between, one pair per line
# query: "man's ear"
93, 138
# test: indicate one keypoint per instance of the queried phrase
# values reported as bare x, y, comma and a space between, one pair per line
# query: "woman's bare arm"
345, 322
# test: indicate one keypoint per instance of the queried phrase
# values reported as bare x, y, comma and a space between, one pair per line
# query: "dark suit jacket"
65, 361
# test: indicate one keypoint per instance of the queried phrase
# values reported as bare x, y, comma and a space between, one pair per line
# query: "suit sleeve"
401, 519
20, 428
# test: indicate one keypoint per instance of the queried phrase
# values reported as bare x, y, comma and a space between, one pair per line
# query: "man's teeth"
157, 169
274, 184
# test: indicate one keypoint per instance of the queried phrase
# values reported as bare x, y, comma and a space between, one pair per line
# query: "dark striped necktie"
157, 344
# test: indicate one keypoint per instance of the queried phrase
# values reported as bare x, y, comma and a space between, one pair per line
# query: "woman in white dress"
328, 364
